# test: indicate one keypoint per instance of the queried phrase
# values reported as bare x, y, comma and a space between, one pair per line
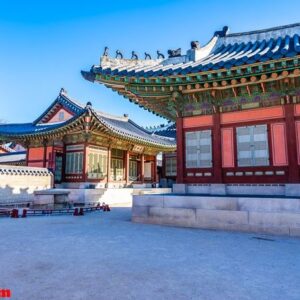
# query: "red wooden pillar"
217, 150
84, 163
142, 168
127, 167
108, 164
180, 149
45, 154
291, 144
155, 169
27, 146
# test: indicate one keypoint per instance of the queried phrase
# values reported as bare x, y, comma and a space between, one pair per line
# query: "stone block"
140, 211
220, 217
269, 204
179, 188
292, 190
198, 189
203, 202
43, 200
172, 216
255, 189
148, 200
275, 219
295, 231
218, 189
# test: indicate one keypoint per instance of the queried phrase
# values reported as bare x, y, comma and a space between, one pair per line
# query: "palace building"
84, 147
235, 101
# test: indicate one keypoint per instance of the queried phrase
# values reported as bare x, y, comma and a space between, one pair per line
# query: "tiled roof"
120, 126
223, 51
6, 147
12, 157
165, 130
127, 128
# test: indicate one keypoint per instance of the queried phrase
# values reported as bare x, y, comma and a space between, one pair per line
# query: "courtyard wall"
18, 184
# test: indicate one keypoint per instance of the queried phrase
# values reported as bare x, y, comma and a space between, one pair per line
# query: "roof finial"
174, 53
88, 104
147, 56
105, 53
223, 32
62, 91
119, 54
160, 55
195, 45
134, 55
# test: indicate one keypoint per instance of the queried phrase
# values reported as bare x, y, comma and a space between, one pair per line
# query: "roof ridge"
110, 116
263, 30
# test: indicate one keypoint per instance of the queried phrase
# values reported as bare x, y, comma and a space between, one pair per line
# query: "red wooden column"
142, 168
84, 163
180, 149
291, 144
217, 150
45, 153
108, 164
155, 169
127, 167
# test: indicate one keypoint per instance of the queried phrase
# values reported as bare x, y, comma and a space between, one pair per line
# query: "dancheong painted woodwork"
80, 144
235, 101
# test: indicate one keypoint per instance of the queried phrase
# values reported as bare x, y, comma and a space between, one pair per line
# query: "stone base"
259, 215
285, 190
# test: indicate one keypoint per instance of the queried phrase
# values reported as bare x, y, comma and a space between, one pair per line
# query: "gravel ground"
105, 256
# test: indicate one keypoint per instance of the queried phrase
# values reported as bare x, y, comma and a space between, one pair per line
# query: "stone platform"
280, 216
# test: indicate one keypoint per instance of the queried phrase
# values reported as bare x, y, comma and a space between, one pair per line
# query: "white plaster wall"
17, 184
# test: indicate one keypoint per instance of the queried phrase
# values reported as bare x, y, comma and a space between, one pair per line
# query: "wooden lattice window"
198, 149
252, 146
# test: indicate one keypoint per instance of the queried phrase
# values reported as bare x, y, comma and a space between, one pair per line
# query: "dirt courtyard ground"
105, 256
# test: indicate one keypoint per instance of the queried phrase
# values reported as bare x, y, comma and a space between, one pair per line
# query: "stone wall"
259, 215
285, 190
17, 184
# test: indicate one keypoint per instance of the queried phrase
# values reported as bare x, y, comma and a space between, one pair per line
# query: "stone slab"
148, 200
274, 219
292, 190
269, 204
173, 216
179, 188
140, 211
220, 217
203, 202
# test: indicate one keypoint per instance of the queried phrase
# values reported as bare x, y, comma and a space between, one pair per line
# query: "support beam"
217, 153
108, 164
45, 154
155, 179
127, 157
292, 144
142, 168
180, 149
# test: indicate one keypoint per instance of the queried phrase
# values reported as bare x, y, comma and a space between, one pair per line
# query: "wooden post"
217, 151
155, 169
180, 149
45, 154
142, 168
291, 144
108, 164
84, 163
127, 167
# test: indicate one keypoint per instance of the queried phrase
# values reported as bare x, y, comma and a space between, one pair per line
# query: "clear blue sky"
45, 44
